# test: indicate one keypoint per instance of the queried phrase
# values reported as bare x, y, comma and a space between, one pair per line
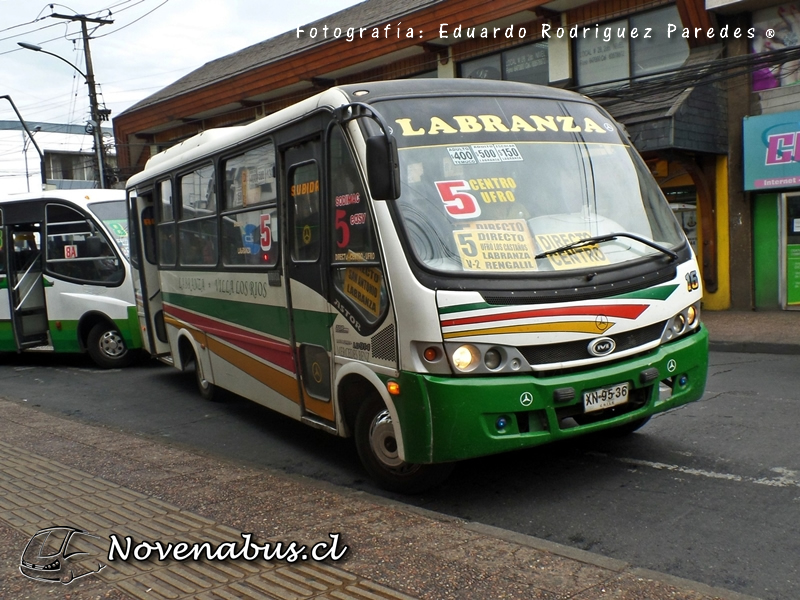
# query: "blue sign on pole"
772, 151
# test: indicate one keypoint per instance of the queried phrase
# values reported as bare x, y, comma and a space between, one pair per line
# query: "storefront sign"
772, 151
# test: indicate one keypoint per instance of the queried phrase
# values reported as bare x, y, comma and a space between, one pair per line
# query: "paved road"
709, 492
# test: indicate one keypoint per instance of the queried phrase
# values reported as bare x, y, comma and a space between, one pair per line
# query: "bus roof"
212, 141
79, 197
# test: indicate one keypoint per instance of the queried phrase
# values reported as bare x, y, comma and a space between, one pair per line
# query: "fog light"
678, 324
492, 358
502, 423
683, 380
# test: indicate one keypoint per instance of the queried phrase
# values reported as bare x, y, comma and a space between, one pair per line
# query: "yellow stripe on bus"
561, 327
286, 385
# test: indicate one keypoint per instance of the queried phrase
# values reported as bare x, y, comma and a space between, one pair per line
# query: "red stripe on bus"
277, 353
625, 311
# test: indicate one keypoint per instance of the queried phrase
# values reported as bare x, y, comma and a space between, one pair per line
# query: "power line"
639, 89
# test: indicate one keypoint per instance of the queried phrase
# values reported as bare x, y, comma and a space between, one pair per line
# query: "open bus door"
311, 313
25, 283
147, 288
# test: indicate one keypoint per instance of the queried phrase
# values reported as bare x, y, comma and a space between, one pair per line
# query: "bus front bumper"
454, 418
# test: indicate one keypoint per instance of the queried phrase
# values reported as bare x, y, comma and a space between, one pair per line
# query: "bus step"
319, 423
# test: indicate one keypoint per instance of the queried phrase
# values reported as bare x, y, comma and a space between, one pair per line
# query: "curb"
754, 347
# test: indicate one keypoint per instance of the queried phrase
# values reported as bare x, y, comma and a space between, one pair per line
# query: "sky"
150, 44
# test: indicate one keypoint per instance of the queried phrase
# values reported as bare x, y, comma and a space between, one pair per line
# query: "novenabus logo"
62, 554
602, 346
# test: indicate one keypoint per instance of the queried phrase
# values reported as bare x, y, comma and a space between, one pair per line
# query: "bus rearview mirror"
383, 171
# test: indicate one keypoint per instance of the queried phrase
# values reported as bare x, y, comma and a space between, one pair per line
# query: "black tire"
208, 391
107, 348
377, 448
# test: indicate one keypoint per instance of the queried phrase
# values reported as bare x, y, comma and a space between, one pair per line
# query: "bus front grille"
545, 354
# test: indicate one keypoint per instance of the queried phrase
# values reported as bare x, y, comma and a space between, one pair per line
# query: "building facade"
677, 73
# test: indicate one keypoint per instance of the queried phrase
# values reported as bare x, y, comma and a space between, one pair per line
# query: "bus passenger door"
144, 264
26, 286
311, 314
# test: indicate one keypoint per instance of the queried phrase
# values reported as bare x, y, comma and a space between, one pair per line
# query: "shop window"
485, 67
528, 64
783, 21
610, 52
683, 202
657, 52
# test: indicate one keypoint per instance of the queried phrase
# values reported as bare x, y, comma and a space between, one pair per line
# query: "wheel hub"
382, 440
112, 344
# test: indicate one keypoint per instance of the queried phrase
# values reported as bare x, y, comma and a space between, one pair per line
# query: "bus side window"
2, 245
77, 250
304, 192
357, 272
249, 233
166, 224
197, 226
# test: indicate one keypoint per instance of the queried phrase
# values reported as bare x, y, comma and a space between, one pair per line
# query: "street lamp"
25, 145
89, 77
30, 138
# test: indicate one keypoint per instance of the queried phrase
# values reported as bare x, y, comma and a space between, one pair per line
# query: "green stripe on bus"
4, 283
661, 292
7, 343
311, 327
446, 310
130, 329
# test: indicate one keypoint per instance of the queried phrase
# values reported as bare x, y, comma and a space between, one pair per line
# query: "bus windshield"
493, 185
114, 216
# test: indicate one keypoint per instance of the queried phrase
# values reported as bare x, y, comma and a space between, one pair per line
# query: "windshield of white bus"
114, 215
493, 185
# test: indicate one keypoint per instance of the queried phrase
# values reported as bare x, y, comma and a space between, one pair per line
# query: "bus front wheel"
107, 348
377, 448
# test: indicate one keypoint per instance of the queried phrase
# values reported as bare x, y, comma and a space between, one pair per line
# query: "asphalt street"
708, 492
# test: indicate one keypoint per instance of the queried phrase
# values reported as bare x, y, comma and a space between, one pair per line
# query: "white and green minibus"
442, 269
65, 279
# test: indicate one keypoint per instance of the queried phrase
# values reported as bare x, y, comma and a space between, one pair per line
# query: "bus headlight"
485, 359
466, 358
691, 315
682, 323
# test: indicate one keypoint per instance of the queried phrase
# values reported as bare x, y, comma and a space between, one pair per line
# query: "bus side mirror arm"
383, 166
383, 169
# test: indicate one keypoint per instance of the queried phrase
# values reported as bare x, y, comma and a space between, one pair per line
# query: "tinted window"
78, 250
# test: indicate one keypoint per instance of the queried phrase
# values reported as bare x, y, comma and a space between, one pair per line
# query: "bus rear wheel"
208, 391
107, 348
378, 450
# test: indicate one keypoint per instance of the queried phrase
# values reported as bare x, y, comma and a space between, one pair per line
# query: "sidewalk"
56, 471
768, 332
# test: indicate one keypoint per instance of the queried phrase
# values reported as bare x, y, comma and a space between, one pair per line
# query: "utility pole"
97, 114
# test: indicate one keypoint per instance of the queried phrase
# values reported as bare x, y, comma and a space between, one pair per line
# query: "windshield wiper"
596, 239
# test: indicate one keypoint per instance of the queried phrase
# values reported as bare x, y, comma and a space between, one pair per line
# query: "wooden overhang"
242, 86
